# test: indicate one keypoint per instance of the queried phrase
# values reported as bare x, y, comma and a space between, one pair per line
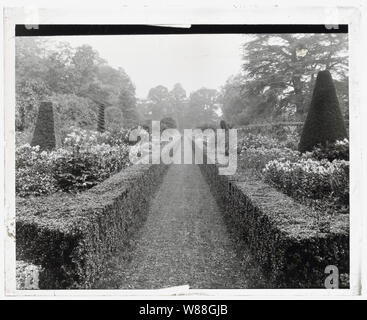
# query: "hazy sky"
193, 60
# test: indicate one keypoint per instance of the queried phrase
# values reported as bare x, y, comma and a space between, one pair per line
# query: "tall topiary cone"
44, 132
324, 122
101, 121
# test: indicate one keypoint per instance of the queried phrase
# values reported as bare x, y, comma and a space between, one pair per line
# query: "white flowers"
308, 177
86, 158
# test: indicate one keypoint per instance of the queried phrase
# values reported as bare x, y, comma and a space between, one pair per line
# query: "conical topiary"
44, 132
101, 121
223, 125
324, 122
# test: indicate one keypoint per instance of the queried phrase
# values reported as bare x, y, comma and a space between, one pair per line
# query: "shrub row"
72, 236
85, 159
287, 239
309, 178
322, 174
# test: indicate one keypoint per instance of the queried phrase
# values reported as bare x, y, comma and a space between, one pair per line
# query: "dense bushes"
255, 159
331, 151
324, 122
34, 171
308, 178
288, 240
85, 159
73, 236
322, 174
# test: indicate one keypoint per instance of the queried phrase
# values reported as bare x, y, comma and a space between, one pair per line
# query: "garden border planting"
285, 237
72, 236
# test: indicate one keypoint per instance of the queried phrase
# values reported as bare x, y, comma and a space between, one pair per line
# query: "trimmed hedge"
44, 132
284, 236
72, 236
324, 122
101, 120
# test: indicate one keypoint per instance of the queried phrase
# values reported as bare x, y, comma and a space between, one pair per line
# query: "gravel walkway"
183, 241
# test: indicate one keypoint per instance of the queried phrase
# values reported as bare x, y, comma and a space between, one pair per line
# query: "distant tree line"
278, 74
76, 81
198, 109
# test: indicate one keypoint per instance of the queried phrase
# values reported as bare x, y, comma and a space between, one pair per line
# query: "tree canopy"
75, 79
278, 74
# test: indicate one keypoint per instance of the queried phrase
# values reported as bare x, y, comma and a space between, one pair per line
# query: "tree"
158, 105
44, 133
280, 69
234, 108
114, 119
324, 122
202, 108
30, 86
178, 102
74, 79
168, 123
127, 101
71, 110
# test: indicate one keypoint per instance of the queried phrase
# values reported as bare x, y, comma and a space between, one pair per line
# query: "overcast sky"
193, 60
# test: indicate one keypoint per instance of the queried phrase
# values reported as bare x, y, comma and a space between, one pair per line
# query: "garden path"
184, 240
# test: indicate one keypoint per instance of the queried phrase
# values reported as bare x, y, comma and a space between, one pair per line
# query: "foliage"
308, 178
332, 151
251, 140
114, 119
287, 239
101, 121
77, 74
310, 175
202, 108
72, 237
324, 122
86, 158
127, 101
256, 159
234, 104
27, 275
168, 123
278, 74
158, 104
281, 67
34, 171
29, 93
73, 111
44, 133
178, 102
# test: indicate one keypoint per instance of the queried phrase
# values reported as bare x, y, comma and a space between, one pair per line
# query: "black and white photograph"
196, 157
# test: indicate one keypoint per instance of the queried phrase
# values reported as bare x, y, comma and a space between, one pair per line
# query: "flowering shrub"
331, 151
83, 161
251, 140
83, 168
257, 158
33, 171
309, 178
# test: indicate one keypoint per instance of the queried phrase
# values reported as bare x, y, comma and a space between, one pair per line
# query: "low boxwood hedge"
72, 236
287, 239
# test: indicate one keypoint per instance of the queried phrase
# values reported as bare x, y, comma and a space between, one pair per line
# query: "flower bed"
85, 159
319, 178
308, 178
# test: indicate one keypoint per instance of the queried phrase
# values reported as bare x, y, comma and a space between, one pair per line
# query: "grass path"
184, 240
